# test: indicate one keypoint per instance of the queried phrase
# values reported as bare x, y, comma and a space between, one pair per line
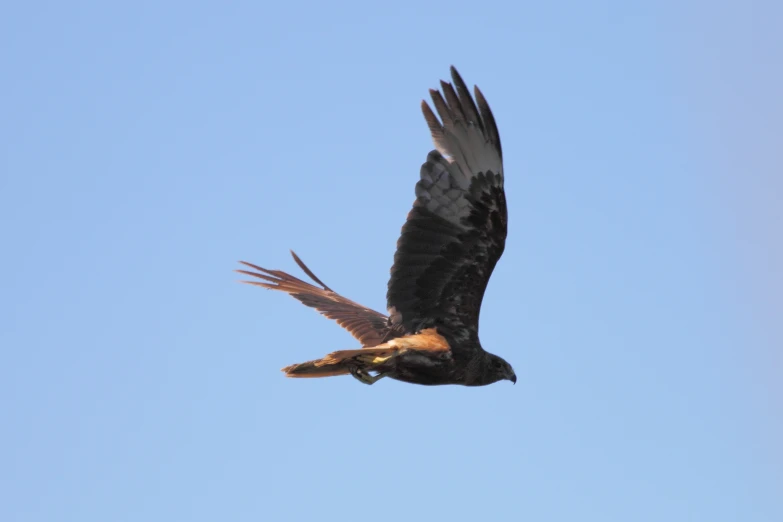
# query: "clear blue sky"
145, 148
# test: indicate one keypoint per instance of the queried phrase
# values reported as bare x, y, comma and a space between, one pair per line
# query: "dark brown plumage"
450, 243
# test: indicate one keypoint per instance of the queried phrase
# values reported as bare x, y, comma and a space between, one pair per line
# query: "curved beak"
513, 378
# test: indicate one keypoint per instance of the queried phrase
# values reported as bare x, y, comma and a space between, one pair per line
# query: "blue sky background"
145, 148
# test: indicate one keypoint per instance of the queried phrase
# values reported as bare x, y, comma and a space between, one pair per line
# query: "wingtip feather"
309, 272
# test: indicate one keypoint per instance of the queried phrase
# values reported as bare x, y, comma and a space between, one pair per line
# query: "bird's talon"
362, 376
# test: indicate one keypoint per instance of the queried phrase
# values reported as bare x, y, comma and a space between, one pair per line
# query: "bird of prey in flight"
453, 237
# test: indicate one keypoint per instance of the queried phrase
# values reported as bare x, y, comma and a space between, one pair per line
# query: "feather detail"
367, 326
456, 231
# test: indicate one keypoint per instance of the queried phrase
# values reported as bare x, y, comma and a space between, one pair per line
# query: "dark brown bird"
449, 245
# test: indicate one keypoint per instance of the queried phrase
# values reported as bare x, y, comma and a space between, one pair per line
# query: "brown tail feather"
362, 357
310, 369
341, 362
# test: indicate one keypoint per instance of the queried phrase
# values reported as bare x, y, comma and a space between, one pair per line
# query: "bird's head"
497, 369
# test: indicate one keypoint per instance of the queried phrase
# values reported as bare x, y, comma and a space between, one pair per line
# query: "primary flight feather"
450, 243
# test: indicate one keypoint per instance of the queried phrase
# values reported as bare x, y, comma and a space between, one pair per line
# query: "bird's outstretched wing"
369, 327
456, 231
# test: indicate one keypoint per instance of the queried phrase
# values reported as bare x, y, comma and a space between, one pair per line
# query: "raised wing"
456, 231
369, 327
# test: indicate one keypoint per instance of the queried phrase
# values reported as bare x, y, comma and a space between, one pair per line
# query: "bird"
449, 245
